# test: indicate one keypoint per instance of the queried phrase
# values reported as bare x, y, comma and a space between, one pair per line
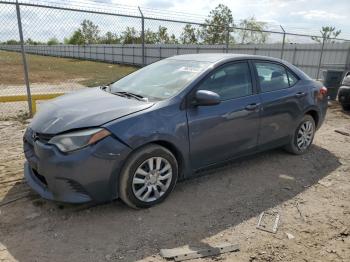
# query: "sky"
293, 14
298, 16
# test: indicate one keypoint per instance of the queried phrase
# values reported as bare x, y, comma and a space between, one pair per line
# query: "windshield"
160, 80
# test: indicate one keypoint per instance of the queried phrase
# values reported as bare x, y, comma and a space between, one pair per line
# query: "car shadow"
201, 207
346, 112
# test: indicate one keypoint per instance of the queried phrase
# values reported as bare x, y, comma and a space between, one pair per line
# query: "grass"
47, 69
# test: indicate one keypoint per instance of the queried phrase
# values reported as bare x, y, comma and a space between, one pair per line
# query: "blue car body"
198, 136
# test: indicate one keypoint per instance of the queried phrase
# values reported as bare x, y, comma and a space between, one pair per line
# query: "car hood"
86, 108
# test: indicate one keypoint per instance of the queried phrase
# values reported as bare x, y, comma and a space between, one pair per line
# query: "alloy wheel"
152, 179
305, 135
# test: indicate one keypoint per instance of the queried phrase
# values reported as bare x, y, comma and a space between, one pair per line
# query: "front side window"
230, 81
272, 77
160, 80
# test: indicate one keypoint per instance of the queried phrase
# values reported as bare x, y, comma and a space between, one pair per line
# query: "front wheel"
302, 137
148, 176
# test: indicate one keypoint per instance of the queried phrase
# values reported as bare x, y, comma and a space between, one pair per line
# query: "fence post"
122, 53
283, 41
320, 61
142, 37
294, 54
347, 62
133, 54
227, 38
104, 53
24, 59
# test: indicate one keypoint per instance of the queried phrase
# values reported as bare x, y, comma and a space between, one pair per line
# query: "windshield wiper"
129, 94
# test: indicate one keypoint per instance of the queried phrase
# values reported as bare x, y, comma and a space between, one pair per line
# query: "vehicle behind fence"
48, 49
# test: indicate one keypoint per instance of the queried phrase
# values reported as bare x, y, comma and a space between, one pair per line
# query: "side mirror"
206, 98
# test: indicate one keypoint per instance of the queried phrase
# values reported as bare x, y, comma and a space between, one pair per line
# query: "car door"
222, 131
282, 101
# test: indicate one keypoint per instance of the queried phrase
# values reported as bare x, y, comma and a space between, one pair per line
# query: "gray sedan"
135, 138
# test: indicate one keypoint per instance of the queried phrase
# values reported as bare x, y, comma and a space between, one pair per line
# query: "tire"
137, 178
297, 137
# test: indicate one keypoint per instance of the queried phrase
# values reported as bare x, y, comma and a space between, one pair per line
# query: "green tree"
173, 39
162, 35
76, 39
88, 33
110, 38
131, 36
53, 41
327, 32
214, 30
12, 42
255, 34
30, 41
150, 37
189, 35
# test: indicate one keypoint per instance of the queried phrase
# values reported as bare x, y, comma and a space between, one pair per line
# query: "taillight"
323, 90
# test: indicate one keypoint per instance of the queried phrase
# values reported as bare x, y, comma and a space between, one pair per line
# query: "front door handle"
252, 107
300, 94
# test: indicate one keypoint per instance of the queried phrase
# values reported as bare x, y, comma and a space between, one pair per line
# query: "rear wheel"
303, 136
148, 177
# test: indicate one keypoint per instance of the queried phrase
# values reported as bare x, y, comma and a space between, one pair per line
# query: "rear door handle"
300, 94
252, 107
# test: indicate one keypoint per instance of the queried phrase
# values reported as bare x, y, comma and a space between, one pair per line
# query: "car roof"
222, 58
215, 57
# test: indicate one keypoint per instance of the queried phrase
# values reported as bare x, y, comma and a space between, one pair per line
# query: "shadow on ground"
198, 208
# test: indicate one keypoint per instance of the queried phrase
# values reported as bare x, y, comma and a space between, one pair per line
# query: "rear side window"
230, 81
274, 77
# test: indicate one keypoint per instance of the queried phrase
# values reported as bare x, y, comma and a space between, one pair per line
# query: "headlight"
78, 139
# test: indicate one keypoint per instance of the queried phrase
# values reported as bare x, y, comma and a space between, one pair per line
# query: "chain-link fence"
57, 47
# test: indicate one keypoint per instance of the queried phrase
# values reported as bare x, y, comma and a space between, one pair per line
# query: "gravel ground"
310, 192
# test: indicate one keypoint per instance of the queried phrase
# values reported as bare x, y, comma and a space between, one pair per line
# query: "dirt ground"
310, 192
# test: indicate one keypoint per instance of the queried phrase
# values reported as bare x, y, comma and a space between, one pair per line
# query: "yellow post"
33, 106
35, 97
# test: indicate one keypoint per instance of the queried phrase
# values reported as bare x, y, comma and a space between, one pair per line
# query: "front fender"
166, 123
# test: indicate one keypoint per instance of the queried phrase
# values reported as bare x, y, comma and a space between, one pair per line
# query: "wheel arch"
175, 151
180, 158
315, 115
